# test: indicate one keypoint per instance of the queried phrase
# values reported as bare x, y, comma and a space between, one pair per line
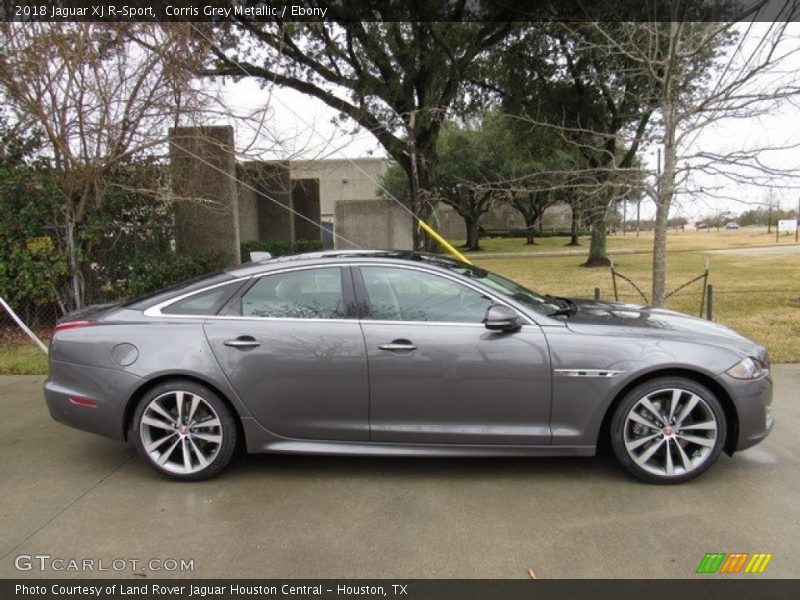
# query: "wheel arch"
139, 392
728, 406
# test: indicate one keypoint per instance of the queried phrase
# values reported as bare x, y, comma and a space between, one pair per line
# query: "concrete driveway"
72, 495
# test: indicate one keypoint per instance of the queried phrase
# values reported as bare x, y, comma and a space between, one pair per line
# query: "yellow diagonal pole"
447, 245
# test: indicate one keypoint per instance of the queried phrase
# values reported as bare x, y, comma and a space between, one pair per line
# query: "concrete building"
203, 174
220, 204
340, 179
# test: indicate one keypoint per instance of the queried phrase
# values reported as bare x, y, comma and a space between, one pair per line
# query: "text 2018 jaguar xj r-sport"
399, 353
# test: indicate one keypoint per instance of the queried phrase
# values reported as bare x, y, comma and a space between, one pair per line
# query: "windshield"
542, 304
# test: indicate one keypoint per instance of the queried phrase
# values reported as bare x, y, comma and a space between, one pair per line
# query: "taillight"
69, 325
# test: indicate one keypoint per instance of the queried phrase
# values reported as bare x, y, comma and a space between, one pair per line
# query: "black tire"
664, 439
201, 450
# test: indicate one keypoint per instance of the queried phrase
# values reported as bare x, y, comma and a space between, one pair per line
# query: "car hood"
618, 318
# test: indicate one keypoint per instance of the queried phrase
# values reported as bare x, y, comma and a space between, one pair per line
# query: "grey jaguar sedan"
401, 353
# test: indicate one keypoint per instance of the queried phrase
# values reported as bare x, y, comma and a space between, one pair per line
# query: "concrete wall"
274, 198
340, 179
203, 170
504, 216
248, 213
451, 224
305, 201
501, 216
379, 224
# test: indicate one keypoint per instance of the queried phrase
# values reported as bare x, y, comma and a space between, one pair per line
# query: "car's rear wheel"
668, 430
184, 430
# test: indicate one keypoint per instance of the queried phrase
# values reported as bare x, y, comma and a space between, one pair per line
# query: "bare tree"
102, 96
701, 75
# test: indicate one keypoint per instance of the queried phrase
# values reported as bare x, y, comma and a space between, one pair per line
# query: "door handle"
398, 346
243, 341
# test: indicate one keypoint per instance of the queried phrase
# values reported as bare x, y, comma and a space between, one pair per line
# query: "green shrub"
33, 270
152, 272
301, 246
276, 248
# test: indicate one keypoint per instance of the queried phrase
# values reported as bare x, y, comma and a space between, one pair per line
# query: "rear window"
178, 289
203, 303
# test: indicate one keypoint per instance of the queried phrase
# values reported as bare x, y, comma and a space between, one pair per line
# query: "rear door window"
303, 294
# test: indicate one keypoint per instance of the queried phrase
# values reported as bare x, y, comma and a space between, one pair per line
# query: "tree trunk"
418, 183
597, 246
573, 232
660, 252
473, 239
529, 241
420, 207
664, 194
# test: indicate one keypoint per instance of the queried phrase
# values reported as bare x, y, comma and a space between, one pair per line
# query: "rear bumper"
108, 389
753, 401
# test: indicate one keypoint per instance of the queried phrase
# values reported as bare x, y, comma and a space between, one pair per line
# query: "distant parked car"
400, 353
732, 225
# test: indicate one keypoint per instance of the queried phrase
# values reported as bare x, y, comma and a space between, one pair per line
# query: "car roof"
340, 256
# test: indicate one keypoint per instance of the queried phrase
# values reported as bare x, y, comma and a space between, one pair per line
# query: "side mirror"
501, 318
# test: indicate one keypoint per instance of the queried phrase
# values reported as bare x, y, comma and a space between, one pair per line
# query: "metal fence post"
22, 326
73, 265
597, 293
710, 302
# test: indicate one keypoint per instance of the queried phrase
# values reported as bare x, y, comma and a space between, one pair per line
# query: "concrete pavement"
790, 248
786, 248
72, 495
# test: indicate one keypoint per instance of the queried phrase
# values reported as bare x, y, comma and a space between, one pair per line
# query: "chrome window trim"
155, 311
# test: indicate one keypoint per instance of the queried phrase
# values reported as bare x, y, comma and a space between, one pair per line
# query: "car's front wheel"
184, 430
668, 430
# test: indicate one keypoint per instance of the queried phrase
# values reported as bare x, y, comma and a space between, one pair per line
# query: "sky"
305, 129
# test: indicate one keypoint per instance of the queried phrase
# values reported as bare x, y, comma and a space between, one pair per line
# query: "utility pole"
797, 221
624, 214
638, 215
73, 265
769, 215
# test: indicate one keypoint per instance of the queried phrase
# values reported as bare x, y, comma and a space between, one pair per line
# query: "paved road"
760, 250
542, 254
74, 495
748, 251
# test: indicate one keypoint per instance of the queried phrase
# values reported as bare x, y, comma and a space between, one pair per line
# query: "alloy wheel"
670, 432
181, 432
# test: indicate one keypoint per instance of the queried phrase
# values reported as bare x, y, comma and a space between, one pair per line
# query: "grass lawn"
22, 358
679, 241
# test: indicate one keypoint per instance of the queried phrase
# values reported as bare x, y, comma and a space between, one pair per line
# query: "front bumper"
108, 389
753, 403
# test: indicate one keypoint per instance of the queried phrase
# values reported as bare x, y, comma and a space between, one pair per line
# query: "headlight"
748, 368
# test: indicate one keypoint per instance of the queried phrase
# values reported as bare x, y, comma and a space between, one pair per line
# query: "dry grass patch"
679, 241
